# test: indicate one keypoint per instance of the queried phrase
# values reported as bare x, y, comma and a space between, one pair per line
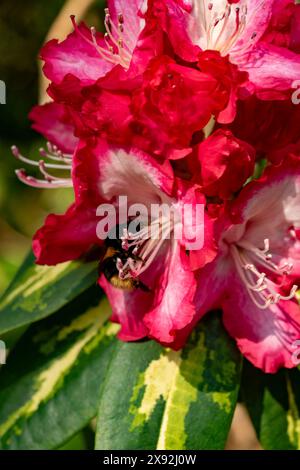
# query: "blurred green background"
23, 28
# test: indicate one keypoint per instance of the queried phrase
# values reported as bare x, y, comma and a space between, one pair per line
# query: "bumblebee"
108, 266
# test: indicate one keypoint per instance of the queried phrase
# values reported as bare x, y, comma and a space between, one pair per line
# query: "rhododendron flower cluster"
182, 102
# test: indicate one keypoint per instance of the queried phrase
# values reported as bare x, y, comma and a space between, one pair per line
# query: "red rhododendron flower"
149, 110
180, 104
141, 86
86, 58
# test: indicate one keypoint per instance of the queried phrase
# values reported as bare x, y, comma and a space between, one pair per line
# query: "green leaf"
155, 398
50, 386
38, 291
273, 402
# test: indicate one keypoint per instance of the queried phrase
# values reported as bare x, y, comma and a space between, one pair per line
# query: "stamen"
53, 153
16, 153
226, 16
117, 51
262, 290
42, 184
143, 247
49, 181
222, 28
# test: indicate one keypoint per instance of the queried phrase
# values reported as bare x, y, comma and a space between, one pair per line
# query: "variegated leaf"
49, 388
160, 399
39, 291
273, 402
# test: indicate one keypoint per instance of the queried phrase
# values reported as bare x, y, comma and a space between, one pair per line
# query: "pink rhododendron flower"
236, 28
101, 174
88, 55
253, 279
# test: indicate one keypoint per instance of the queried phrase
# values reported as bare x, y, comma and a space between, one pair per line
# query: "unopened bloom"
225, 164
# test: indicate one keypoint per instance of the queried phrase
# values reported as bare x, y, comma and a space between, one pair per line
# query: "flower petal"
75, 55
211, 285
66, 237
256, 25
128, 310
163, 311
265, 337
175, 19
132, 16
295, 30
226, 164
271, 208
128, 172
271, 68
174, 306
53, 122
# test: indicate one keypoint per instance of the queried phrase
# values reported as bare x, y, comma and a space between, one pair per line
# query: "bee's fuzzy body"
108, 266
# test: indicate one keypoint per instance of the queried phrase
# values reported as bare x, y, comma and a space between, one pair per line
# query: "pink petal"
256, 25
132, 15
130, 173
179, 25
53, 122
163, 311
265, 337
211, 285
270, 206
197, 232
270, 68
128, 310
66, 237
75, 56
173, 307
